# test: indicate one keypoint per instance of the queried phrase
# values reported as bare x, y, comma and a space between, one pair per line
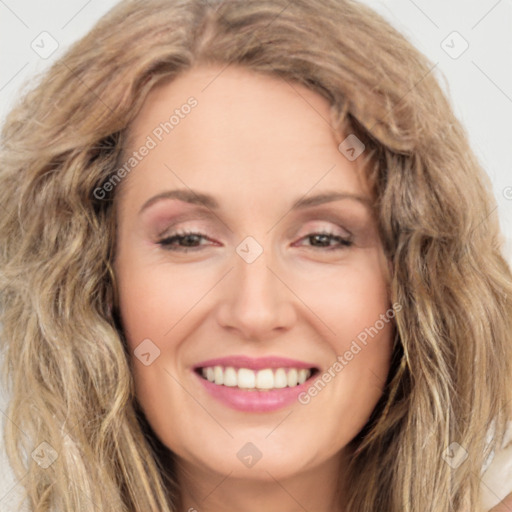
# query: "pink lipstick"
255, 384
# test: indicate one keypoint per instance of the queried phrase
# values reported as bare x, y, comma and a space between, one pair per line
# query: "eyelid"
177, 226
331, 224
322, 224
306, 225
159, 221
343, 242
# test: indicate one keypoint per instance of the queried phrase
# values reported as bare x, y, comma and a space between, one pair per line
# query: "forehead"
246, 131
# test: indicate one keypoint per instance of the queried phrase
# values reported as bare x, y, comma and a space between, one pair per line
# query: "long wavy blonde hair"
66, 363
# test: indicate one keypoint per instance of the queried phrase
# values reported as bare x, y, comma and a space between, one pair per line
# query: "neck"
204, 490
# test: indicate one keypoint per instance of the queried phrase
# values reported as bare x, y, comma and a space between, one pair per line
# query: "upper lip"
255, 363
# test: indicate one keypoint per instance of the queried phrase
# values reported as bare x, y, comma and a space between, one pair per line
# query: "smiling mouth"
266, 379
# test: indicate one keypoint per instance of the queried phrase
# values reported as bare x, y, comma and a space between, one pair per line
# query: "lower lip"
254, 400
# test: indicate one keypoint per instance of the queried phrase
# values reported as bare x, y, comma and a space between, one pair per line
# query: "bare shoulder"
503, 506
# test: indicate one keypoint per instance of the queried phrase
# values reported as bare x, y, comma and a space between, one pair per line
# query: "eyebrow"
192, 197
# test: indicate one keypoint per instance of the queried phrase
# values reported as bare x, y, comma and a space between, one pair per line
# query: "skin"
504, 506
256, 144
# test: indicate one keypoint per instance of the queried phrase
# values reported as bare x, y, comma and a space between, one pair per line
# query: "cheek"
351, 299
357, 316
151, 306
153, 298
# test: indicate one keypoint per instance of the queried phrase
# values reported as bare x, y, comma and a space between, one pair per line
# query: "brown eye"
322, 240
183, 241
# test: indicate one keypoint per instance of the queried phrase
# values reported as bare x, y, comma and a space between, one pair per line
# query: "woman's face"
284, 276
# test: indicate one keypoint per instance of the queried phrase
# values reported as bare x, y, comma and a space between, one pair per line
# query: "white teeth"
246, 378
280, 380
292, 377
219, 375
303, 375
230, 377
265, 379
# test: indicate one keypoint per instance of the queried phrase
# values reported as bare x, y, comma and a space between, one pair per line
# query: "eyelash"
166, 242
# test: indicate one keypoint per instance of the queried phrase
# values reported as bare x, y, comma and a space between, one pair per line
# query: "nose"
257, 302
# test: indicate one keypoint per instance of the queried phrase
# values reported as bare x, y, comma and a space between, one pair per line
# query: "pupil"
322, 238
189, 239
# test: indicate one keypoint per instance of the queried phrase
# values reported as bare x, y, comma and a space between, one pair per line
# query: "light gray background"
478, 82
